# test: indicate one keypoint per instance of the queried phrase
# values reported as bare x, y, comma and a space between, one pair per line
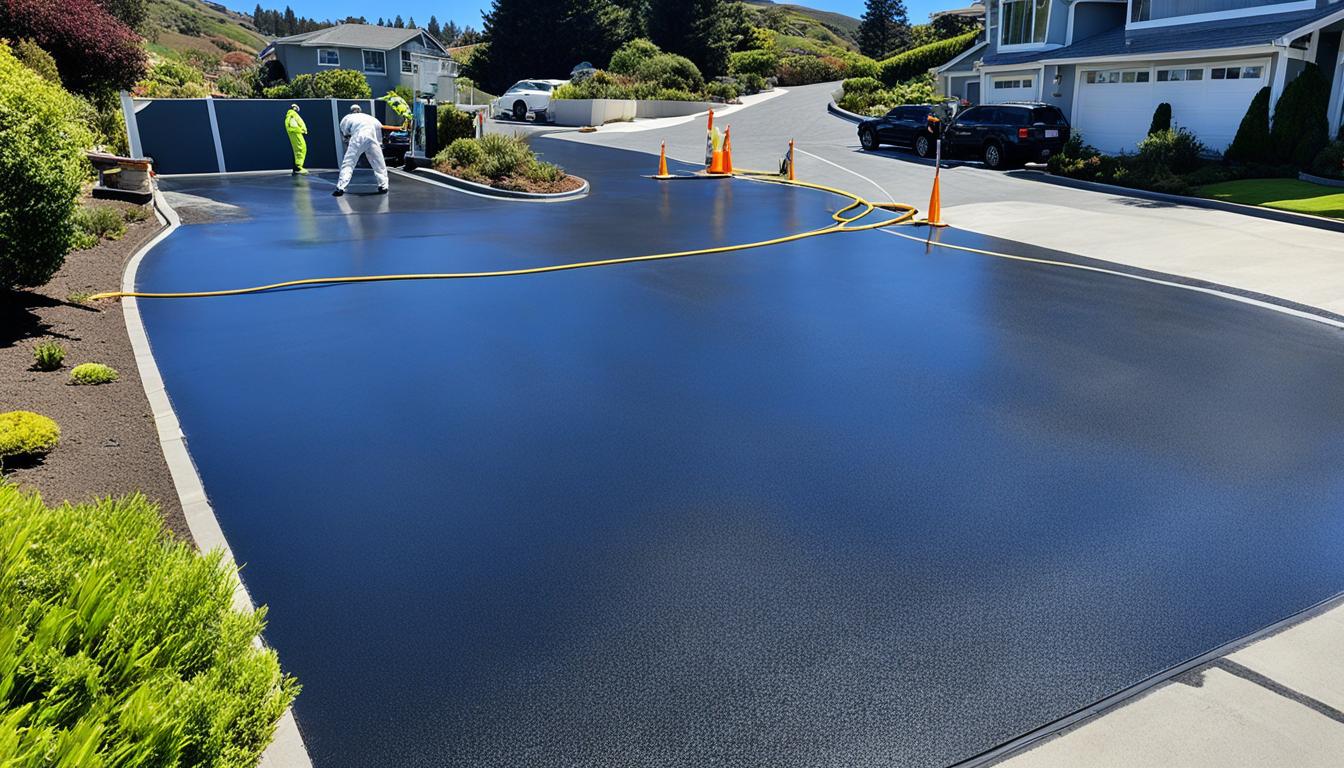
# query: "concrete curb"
1323, 181
1318, 222
286, 749
443, 179
845, 114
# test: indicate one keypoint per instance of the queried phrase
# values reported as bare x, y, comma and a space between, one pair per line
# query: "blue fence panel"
177, 134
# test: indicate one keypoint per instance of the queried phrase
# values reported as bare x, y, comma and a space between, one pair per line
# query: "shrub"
48, 355
760, 61
1252, 143
545, 172
805, 70
454, 124
858, 65
502, 156
331, 84
1301, 128
79, 297
1330, 161
918, 61
857, 86
24, 433
669, 70
93, 373
123, 643
463, 153
41, 168
722, 91
1209, 173
96, 222
752, 83
1177, 151
601, 85
1161, 119
38, 60
170, 79
628, 58
94, 52
135, 213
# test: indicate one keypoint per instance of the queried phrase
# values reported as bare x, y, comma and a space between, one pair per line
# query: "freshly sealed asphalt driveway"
831, 503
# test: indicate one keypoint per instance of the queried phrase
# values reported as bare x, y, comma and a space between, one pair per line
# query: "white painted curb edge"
286, 749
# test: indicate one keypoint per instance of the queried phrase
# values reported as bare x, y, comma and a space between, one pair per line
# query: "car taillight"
1022, 133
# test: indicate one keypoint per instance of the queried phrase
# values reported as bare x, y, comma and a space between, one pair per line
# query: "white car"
525, 97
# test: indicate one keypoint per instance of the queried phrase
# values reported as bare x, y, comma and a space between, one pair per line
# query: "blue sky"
469, 11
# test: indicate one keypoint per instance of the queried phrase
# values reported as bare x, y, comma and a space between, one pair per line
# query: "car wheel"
923, 145
519, 110
993, 155
868, 138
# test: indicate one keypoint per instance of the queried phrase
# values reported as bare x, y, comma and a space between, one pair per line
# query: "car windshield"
1047, 116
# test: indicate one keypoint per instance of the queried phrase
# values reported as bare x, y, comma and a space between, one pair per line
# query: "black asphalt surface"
833, 503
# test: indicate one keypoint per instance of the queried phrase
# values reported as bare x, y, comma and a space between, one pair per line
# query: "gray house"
387, 56
1108, 63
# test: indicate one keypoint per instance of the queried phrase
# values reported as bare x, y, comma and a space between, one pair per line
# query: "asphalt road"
837, 502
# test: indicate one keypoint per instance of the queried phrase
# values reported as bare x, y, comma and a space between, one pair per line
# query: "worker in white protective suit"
363, 135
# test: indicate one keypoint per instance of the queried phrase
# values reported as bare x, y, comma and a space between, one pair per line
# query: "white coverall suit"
364, 136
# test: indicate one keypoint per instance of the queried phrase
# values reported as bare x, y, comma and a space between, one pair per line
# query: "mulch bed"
516, 183
109, 445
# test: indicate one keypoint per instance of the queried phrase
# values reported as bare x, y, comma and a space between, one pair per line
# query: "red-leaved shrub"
94, 52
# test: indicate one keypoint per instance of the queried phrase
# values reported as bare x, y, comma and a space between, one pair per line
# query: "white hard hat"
355, 108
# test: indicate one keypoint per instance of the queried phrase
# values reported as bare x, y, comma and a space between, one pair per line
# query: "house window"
1251, 73
375, 62
1104, 76
1001, 85
328, 57
1179, 75
406, 65
1024, 22
1140, 10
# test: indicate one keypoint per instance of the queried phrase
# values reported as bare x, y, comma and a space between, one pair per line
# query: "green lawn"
1283, 194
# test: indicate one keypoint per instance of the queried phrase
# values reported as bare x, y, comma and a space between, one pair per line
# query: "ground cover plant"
867, 95
97, 222
93, 373
503, 161
120, 646
48, 355
24, 434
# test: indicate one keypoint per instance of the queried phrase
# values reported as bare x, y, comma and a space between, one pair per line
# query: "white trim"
1312, 27
1336, 102
214, 132
1239, 13
320, 63
364, 67
132, 126
1191, 54
1049, 4
958, 58
336, 131
1277, 81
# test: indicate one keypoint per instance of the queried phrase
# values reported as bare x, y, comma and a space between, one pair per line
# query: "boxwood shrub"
24, 433
93, 373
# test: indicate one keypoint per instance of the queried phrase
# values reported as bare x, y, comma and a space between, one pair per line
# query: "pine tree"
450, 33
291, 22
520, 46
878, 27
380, 22
433, 27
398, 23
411, 24
704, 31
257, 14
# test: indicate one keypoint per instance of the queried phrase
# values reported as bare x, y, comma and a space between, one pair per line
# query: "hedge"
1301, 128
917, 61
331, 84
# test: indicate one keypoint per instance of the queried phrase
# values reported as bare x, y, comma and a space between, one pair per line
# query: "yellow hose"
842, 224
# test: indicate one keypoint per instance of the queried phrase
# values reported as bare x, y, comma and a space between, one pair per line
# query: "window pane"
1162, 75
1128, 77
1016, 22
1143, 77
1194, 74
1091, 77
1141, 10
1113, 76
1042, 22
1250, 72
374, 61
328, 56
1233, 73
1217, 73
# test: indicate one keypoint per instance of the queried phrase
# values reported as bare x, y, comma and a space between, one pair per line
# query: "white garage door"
1011, 88
1115, 106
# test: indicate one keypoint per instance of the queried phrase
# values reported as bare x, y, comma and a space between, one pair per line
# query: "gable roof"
356, 36
1241, 32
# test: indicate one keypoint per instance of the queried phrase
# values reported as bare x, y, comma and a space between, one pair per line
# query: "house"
1107, 64
387, 56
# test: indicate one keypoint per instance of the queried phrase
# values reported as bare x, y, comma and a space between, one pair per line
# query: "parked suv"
905, 126
1007, 134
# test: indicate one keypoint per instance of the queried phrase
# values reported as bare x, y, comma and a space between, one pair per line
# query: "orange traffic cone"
728, 150
662, 163
716, 154
936, 205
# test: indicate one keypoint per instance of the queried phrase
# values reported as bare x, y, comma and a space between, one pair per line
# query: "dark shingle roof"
353, 36
1203, 36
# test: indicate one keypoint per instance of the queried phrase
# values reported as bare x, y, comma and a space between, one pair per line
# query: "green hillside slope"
801, 21
181, 25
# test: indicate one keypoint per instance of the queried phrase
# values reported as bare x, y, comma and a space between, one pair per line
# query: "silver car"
525, 97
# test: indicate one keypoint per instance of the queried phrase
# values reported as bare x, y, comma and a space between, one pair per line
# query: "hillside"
182, 25
801, 21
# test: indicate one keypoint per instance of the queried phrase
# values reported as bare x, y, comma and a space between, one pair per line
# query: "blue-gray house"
387, 56
1108, 63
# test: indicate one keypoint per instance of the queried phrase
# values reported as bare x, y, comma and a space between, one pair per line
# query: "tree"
433, 28
884, 29
95, 53
1161, 119
579, 30
470, 36
704, 31
291, 22
129, 12
450, 33
1252, 143
411, 24
398, 23
380, 22
1301, 126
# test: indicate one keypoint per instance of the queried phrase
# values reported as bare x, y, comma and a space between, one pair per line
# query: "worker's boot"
382, 190
337, 192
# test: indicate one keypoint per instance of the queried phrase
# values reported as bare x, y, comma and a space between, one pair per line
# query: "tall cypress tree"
877, 27
703, 31
433, 27
518, 46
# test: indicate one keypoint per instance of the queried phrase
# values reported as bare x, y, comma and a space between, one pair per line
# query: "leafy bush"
463, 153
866, 96
760, 61
41, 168
918, 61
1161, 119
628, 58
135, 213
169, 79
48, 355
38, 60
652, 91
93, 373
331, 84
121, 646
1177, 151
24, 433
602, 85
454, 124
1252, 143
100, 221
858, 65
1209, 173
545, 172
669, 70
752, 83
238, 85
1329, 161
722, 91
857, 86
1301, 128
805, 70
503, 155
95, 53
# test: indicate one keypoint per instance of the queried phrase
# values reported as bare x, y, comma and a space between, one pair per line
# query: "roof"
1204, 36
352, 36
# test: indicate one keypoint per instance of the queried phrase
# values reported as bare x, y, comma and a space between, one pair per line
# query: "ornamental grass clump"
48, 356
93, 373
24, 434
120, 646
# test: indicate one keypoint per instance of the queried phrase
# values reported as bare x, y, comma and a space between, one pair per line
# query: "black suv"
1007, 134
906, 126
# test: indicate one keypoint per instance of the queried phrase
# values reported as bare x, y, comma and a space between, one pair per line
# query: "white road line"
884, 191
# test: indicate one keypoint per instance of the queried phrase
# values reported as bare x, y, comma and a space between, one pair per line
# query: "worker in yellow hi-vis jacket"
296, 129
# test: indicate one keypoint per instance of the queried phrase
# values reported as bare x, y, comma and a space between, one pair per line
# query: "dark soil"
109, 445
